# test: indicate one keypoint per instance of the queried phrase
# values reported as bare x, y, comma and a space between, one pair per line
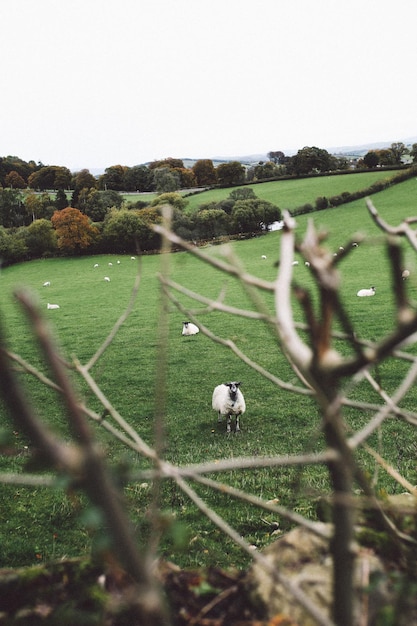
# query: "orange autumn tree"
73, 229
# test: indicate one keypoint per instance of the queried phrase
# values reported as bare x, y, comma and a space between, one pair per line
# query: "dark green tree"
113, 178
309, 160
231, 173
61, 200
139, 178
12, 208
399, 150
371, 159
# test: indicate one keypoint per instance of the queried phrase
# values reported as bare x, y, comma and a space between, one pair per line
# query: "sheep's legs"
219, 417
237, 424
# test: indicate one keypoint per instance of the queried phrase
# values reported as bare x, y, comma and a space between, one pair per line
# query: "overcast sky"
94, 83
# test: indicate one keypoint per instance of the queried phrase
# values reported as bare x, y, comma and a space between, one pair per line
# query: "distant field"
287, 194
39, 524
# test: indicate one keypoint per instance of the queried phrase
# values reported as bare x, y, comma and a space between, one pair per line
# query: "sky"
95, 83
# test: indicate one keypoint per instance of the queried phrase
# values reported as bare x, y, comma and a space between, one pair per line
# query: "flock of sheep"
47, 283
227, 399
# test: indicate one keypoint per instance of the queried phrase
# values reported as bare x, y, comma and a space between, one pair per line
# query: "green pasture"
40, 524
292, 193
287, 194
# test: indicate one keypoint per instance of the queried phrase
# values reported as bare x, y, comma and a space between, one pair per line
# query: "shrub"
321, 203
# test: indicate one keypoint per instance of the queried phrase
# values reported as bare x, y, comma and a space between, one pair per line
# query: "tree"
166, 179
204, 173
371, 159
84, 178
187, 178
231, 173
170, 163
73, 230
40, 238
386, 157
399, 150
12, 209
212, 223
277, 157
61, 200
50, 177
113, 178
122, 230
139, 178
14, 180
266, 170
242, 193
309, 160
413, 152
174, 199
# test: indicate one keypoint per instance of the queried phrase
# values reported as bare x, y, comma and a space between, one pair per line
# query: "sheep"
263, 256
188, 328
47, 283
110, 264
95, 264
107, 279
52, 306
133, 258
366, 292
295, 263
405, 274
228, 400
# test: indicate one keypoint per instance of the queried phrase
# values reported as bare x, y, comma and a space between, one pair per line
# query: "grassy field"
39, 524
287, 194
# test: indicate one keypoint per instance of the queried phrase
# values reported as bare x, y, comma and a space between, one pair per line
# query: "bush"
321, 203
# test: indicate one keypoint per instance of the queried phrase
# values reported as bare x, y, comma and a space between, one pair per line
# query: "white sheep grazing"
263, 256
107, 279
47, 283
228, 400
95, 264
188, 328
405, 274
366, 292
52, 306
110, 264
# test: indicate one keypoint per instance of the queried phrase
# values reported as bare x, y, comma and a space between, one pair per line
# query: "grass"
287, 194
292, 193
38, 524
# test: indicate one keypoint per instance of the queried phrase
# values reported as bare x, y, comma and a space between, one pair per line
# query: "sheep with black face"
228, 400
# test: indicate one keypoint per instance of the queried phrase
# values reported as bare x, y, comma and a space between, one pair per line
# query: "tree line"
125, 227
170, 174
84, 214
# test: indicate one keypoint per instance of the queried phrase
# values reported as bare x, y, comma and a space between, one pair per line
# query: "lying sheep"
188, 328
52, 306
366, 292
228, 400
